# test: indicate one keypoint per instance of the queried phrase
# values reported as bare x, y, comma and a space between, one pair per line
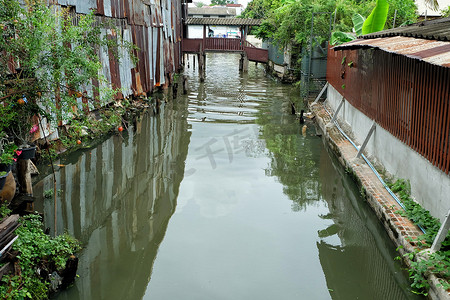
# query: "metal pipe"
372, 167
8, 245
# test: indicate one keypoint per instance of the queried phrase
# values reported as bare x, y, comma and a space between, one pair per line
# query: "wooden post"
24, 176
201, 67
241, 63
201, 63
174, 90
245, 62
203, 43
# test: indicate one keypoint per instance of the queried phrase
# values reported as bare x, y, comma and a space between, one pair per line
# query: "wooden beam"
24, 176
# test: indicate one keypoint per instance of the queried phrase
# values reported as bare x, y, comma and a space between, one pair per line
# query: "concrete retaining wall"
429, 185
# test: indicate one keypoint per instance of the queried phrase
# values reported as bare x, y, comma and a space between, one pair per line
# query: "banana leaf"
339, 37
377, 18
358, 22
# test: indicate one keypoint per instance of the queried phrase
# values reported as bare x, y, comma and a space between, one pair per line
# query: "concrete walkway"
400, 229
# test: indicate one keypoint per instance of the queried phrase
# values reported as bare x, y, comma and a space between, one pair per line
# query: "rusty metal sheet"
126, 65
142, 71
118, 8
137, 12
107, 8
150, 57
147, 16
155, 47
156, 15
433, 52
154, 26
100, 8
162, 80
106, 70
114, 65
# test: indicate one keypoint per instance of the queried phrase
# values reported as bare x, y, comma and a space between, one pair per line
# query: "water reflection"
118, 199
293, 158
262, 211
266, 219
355, 254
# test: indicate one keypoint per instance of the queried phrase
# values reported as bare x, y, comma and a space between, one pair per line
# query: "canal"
220, 196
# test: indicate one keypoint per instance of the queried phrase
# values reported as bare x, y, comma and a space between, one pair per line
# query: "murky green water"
221, 197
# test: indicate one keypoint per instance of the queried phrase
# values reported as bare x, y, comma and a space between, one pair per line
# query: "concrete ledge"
400, 229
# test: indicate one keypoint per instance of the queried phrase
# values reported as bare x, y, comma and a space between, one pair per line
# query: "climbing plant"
422, 266
50, 57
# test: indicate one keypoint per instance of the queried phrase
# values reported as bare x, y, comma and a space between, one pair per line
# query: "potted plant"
8, 156
8, 150
22, 127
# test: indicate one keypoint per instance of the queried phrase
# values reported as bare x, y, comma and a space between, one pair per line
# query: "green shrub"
37, 252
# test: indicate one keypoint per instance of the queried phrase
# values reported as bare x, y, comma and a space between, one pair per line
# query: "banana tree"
377, 18
374, 22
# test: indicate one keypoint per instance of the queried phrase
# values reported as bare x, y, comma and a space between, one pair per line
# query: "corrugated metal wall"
154, 26
408, 97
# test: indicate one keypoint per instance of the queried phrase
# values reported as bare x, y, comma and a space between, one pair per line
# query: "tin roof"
212, 10
222, 21
433, 52
438, 29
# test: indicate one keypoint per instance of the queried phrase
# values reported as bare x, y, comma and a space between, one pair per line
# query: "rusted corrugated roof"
222, 21
438, 29
433, 52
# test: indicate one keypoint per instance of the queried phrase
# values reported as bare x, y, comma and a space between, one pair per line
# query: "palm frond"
433, 4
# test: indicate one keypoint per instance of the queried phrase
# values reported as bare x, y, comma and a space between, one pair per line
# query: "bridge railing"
191, 45
224, 44
257, 54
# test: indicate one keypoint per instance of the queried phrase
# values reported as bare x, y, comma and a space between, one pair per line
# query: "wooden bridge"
213, 44
225, 45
